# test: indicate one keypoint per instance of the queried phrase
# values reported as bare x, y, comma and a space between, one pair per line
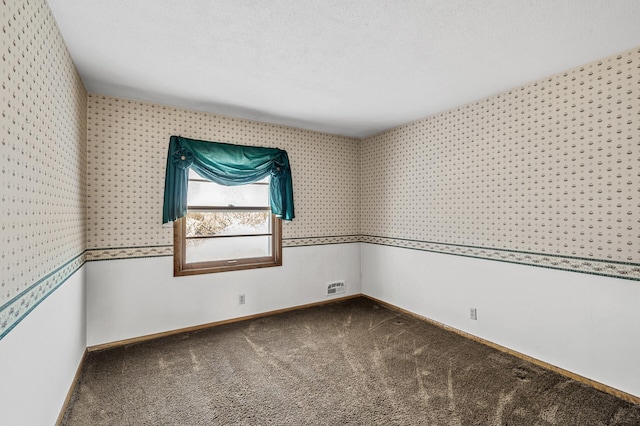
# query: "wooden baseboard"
597, 385
72, 388
118, 343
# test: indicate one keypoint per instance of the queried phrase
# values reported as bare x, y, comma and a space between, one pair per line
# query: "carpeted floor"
353, 362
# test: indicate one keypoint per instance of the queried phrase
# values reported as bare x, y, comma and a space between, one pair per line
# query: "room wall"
128, 298
455, 211
42, 188
40, 357
488, 205
130, 276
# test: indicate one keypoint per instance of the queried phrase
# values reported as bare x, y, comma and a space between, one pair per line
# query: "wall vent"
335, 287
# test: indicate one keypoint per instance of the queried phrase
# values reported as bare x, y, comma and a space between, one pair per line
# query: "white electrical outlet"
473, 313
241, 299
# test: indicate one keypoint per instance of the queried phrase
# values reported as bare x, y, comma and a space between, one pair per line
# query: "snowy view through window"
227, 222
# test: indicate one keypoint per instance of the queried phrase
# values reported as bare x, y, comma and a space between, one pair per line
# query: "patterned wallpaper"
127, 148
42, 160
545, 174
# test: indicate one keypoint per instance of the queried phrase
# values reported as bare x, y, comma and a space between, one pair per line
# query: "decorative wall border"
320, 241
167, 250
129, 252
629, 271
624, 270
16, 309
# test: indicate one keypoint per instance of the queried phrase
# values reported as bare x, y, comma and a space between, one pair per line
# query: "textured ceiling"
348, 67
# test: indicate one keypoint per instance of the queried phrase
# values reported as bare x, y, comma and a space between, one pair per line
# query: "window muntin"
226, 228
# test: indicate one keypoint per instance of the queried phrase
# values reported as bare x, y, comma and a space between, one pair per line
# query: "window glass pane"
211, 194
213, 249
204, 224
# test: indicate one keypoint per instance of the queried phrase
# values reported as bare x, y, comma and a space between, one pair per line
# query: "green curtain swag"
225, 164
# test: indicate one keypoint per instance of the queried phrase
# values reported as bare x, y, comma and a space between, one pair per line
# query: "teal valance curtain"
225, 164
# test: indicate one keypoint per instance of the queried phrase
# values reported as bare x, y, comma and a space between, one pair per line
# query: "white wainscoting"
40, 356
586, 324
130, 298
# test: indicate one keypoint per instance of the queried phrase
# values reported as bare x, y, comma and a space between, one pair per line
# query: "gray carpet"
349, 363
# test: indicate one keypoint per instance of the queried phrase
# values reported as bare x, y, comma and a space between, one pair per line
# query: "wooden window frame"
182, 268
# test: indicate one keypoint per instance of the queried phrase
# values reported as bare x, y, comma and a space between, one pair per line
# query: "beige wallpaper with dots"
547, 174
42, 160
126, 159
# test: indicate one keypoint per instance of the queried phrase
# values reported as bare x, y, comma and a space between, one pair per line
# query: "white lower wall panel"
40, 356
136, 297
587, 324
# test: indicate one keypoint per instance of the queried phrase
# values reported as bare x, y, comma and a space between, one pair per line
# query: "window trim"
182, 268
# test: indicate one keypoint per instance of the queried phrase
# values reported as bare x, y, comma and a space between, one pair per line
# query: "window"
226, 228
